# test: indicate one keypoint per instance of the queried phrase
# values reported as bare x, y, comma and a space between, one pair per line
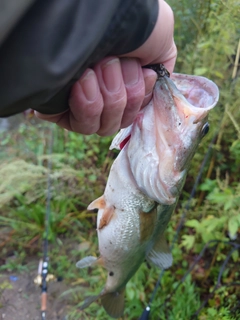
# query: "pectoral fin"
89, 262
106, 217
113, 303
107, 213
160, 254
147, 224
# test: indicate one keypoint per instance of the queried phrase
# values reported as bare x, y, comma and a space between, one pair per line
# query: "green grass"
80, 166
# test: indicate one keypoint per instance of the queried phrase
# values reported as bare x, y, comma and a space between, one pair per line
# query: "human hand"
109, 96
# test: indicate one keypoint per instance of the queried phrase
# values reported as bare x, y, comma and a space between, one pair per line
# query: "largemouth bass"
145, 182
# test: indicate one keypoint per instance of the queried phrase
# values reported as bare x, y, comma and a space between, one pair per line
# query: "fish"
145, 182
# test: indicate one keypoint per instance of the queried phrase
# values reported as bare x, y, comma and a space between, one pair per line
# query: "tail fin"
113, 303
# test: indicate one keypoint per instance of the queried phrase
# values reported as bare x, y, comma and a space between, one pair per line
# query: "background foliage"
207, 35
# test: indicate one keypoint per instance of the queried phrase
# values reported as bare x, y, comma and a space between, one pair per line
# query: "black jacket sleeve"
54, 41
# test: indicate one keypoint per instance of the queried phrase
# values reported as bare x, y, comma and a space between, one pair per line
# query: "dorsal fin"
160, 254
113, 303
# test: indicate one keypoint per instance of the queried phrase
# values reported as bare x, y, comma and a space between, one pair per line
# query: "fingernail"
89, 85
111, 72
130, 71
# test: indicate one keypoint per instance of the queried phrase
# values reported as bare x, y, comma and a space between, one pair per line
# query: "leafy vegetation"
207, 37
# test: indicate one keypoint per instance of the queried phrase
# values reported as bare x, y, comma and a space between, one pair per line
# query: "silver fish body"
145, 182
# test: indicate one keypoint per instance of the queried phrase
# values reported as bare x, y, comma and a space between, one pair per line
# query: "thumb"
150, 78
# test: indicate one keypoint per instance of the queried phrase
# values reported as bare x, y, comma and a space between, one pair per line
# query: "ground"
21, 299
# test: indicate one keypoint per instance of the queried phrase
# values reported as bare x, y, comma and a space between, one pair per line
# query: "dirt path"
22, 298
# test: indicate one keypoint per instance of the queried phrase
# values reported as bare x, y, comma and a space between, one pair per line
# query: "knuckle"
87, 131
85, 128
116, 101
109, 132
88, 110
135, 98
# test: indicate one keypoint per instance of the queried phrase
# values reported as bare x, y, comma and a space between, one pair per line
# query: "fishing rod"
44, 263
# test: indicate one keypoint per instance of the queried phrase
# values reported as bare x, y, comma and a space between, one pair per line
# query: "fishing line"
218, 284
146, 312
45, 261
181, 281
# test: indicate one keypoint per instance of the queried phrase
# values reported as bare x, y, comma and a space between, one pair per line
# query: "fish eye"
205, 129
111, 273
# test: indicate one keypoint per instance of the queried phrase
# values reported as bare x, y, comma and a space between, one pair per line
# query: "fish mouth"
168, 131
185, 102
194, 96
181, 107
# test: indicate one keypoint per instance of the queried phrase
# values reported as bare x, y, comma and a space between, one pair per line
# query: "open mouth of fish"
167, 132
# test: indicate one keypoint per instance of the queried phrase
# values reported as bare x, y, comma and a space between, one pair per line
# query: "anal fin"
89, 261
113, 303
160, 254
